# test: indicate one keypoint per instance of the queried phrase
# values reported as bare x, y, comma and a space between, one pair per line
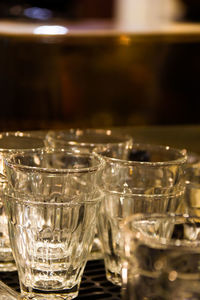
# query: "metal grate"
94, 285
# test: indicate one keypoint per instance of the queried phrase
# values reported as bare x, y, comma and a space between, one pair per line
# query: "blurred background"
99, 63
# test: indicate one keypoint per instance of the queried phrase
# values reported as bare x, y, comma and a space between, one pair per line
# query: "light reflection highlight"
50, 30
38, 13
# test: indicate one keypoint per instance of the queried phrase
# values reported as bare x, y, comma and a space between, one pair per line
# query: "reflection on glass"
50, 30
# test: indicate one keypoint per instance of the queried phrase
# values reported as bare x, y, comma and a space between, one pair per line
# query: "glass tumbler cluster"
68, 196
89, 140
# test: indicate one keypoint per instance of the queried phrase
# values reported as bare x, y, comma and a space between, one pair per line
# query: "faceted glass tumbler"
152, 183
161, 257
192, 185
52, 202
11, 142
87, 140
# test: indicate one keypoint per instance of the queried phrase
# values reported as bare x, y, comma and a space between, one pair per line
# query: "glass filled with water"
161, 257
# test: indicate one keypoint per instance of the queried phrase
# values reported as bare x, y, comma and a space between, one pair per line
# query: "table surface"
183, 137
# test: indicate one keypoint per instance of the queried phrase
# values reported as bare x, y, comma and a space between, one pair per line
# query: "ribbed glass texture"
86, 140
149, 179
52, 202
11, 142
51, 242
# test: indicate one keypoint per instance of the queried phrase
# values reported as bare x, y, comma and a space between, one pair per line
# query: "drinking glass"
161, 257
52, 201
192, 184
151, 182
11, 142
87, 140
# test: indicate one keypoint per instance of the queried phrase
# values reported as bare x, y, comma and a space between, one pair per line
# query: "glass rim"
174, 194
24, 198
172, 243
55, 171
126, 138
20, 134
129, 163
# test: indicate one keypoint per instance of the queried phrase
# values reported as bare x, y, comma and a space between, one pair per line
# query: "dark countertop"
175, 136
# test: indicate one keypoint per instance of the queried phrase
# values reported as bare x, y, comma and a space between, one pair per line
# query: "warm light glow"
124, 40
172, 276
140, 15
51, 30
108, 132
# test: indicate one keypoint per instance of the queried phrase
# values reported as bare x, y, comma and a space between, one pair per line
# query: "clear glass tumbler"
192, 184
52, 201
11, 142
87, 140
151, 182
161, 257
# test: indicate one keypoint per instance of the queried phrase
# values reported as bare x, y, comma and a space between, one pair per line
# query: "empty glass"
52, 202
11, 142
149, 179
161, 257
88, 140
192, 184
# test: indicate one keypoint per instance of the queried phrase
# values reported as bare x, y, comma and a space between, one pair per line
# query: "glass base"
115, 278
7, 266
36, 294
